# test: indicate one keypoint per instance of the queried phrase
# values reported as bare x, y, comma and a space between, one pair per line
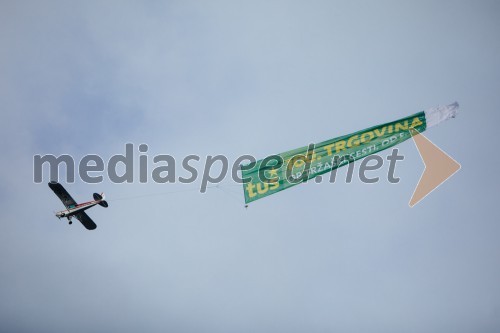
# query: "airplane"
74, 209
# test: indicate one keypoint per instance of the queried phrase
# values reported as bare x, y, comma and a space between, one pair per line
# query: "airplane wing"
86, 220
59, 190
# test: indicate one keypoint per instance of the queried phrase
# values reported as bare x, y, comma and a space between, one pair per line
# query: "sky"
234, 78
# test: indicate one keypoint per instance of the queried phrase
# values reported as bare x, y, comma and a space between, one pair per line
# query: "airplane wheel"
70, 222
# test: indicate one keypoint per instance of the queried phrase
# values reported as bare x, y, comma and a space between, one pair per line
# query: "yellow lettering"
369, 134
329, 149
274, 185
381, 132
261, 190
250, 188
353, 141
400, 126
271, 176
273, 173
339, 145
416, 122
298, 163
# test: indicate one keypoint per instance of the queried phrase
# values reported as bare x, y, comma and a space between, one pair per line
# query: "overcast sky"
238, 77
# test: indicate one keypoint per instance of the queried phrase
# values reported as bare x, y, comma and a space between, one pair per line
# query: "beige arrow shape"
439, 166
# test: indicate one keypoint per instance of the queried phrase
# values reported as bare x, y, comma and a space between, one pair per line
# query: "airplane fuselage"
74, 209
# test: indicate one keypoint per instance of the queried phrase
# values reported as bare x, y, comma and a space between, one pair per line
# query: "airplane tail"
100, 198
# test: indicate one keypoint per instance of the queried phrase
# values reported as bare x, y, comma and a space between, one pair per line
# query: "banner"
276, 173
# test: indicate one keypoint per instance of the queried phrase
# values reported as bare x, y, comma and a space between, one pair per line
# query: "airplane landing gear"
70, 222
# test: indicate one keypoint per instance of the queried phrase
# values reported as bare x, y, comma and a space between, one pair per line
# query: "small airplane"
74, 209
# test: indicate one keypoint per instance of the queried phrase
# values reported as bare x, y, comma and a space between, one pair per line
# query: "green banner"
278, 172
